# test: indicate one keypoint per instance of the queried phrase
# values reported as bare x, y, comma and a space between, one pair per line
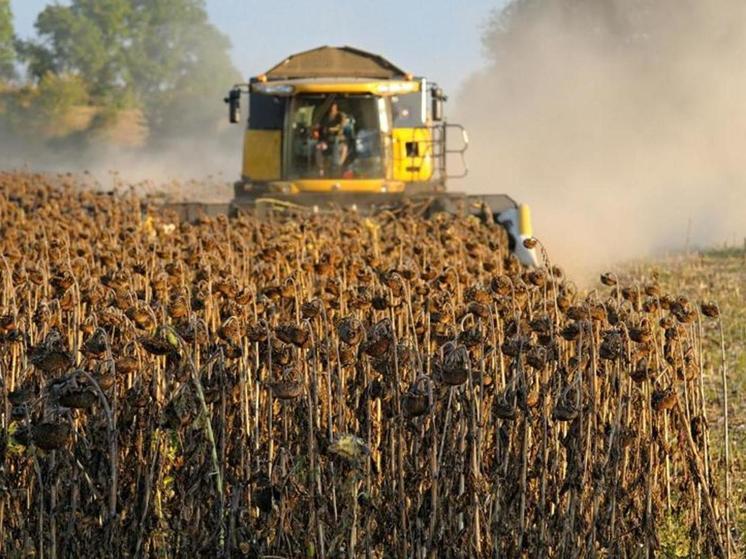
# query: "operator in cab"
332, 140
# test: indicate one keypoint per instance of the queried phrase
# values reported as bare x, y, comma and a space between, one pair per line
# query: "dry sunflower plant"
331, 385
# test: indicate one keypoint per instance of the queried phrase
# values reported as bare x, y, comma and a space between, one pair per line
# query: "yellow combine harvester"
337, 126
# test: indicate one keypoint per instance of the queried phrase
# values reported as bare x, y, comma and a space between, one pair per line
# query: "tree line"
160, 62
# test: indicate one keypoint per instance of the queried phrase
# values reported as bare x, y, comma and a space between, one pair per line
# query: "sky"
438, 39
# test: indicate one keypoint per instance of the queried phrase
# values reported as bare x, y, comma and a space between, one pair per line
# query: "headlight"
273, 89
397, 87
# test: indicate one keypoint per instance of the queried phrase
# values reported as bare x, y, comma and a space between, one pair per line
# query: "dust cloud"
622, 123
191, 166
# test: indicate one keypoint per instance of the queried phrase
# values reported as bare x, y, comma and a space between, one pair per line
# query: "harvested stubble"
330, 385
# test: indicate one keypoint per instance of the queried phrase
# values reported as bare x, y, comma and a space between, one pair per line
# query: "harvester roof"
335, 62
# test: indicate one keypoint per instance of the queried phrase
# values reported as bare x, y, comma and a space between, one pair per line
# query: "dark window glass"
408, 110
336, 136
266, 112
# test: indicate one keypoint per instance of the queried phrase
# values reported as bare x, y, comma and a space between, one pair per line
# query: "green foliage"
674, 540
85, 39
180, 65
7, 52
57, 94
52, 109
174, 46
162, 56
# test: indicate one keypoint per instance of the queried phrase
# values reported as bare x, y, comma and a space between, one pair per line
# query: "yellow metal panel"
347, 185
524, 214
262, 155
413, 154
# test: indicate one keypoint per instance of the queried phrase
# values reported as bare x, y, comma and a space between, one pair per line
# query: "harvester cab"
337, 126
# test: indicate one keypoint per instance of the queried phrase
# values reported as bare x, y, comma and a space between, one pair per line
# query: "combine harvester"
340, 127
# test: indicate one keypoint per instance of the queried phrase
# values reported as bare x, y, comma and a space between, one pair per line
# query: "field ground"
718, 275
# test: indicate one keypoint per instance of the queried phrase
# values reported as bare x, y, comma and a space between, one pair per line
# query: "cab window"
335, 136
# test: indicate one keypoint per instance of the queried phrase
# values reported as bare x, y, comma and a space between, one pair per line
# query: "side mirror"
438, 97
234, 105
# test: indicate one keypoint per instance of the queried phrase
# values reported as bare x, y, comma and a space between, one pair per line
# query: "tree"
159, 55
7, 52
84, 39
180, 65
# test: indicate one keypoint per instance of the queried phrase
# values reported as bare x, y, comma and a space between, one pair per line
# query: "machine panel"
413, 154
262, 155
